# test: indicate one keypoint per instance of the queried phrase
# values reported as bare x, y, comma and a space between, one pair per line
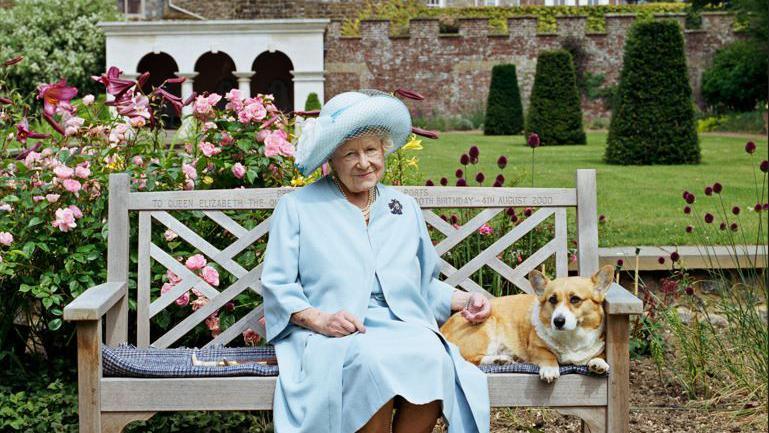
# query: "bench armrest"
620, 301
94, 302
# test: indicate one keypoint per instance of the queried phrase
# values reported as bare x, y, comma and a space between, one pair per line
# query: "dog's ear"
602, 280
538, 282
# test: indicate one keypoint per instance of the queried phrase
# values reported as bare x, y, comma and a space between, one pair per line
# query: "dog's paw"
549, 374
598, 366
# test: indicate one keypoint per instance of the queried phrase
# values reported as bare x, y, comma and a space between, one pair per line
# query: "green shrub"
751, 122
504, 112
653, 117
737, 79
312, 102
554, 109
58, 38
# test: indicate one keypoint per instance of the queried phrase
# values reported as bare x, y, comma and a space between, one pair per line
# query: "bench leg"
618, 357
593, 418
89, 376
114, 422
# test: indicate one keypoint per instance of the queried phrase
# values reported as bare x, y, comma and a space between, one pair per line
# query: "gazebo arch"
272, 75
161, 67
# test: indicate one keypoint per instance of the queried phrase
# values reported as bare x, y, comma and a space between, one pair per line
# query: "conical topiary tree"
504, 111
312, 102
555, 113
653, 117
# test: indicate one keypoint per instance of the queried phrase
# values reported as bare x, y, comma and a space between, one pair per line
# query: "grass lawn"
642, 204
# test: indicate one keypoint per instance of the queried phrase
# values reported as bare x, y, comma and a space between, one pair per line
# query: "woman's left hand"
477, 309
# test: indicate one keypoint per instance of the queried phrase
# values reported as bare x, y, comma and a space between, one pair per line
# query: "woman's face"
359, 162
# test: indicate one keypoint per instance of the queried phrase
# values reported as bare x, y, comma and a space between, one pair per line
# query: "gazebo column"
187, 89
306, 82
244, 82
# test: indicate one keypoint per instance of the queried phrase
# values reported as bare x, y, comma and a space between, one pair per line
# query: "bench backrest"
157, 205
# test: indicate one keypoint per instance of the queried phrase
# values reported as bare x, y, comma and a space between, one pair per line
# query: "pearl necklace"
371, 196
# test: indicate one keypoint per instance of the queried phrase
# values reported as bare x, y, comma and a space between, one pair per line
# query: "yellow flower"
412, 162
413, 144
208, 180
298, 181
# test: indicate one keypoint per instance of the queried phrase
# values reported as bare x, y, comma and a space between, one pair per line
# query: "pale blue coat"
321, 253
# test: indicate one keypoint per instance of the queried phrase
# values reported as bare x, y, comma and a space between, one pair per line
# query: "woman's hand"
337, 324
477, 309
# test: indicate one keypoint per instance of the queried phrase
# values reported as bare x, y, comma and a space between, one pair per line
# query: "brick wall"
263, 9
454, 71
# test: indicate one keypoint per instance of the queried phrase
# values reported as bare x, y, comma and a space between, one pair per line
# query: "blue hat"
348, 115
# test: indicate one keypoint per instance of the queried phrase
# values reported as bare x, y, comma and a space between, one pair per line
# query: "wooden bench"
107, 404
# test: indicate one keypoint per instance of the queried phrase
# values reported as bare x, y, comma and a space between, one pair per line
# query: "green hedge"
554, 108
653, 120
400, 11
312, 102
737, 80
504, 112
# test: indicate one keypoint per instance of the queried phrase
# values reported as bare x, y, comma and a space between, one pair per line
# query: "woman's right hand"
337, 324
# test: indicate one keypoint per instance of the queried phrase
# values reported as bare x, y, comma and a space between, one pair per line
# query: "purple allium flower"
444, 181
602, 218
429, 183
689, 229
534, 140
689, 198
620, 262
766, 206
459, 173
464, 159
708, 218
527, 212
736, 210
764, 166
757, 207
453, 219
510, 211
685, 194
473, 160
444, 218
717, 188
661, 260
722, 226
500, 179
461, 182
750, 147
474, 151
708, 190
502, 162
734, 227
687, 210
480, 177
497, 184
514, 218
674, 256
689, 290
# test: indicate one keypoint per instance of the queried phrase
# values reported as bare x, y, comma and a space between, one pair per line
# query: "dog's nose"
559, 321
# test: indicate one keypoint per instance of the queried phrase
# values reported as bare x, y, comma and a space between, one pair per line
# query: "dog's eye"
553, 300
575, 300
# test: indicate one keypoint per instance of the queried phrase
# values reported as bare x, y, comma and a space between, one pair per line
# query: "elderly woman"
351, 299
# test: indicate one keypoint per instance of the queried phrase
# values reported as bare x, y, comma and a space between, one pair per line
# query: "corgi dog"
562, 323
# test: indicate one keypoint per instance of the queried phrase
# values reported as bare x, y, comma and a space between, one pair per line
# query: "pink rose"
189, 185
173, 278
238, 170
210, 275
82, 171
213, 324
235, 100
208, 149
52, 198
485, 230
189, 171
276, 144
6, 238
199, 303
75, 211
169, 235
195, 262
72, 185
37, 198
137, 160
65, 220
183, 300
226, 140
262, 134
63, 172
166, 288
251, 337
88, 100
203, 107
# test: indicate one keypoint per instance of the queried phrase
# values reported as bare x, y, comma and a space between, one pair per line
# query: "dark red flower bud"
444, 181
176, 80
689, 290
687, 210
717, 188
685, 194
661, 260
480, 177
497, 184
757, 207
53, 123
311, 113
510, 211
500, 179
527, 212
142, 79
502, 162
429, 183
689, 198
674, 256
444, 218
191, 98
474, 151
424, 132
764, 166
473, 160
722, 226
453, 219
5, 101
461, 182
766, 206
464, 159
708, 190
602, 218
408, 94
229, 306
734, 227
459, 173
736, 210
750, 147
514, 218
533, 140
13, 61
708, 218
620, 262
689, 229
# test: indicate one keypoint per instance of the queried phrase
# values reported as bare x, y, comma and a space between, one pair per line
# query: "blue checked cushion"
126, 360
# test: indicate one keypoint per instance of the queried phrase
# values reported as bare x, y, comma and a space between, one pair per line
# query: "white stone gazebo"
283, 57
